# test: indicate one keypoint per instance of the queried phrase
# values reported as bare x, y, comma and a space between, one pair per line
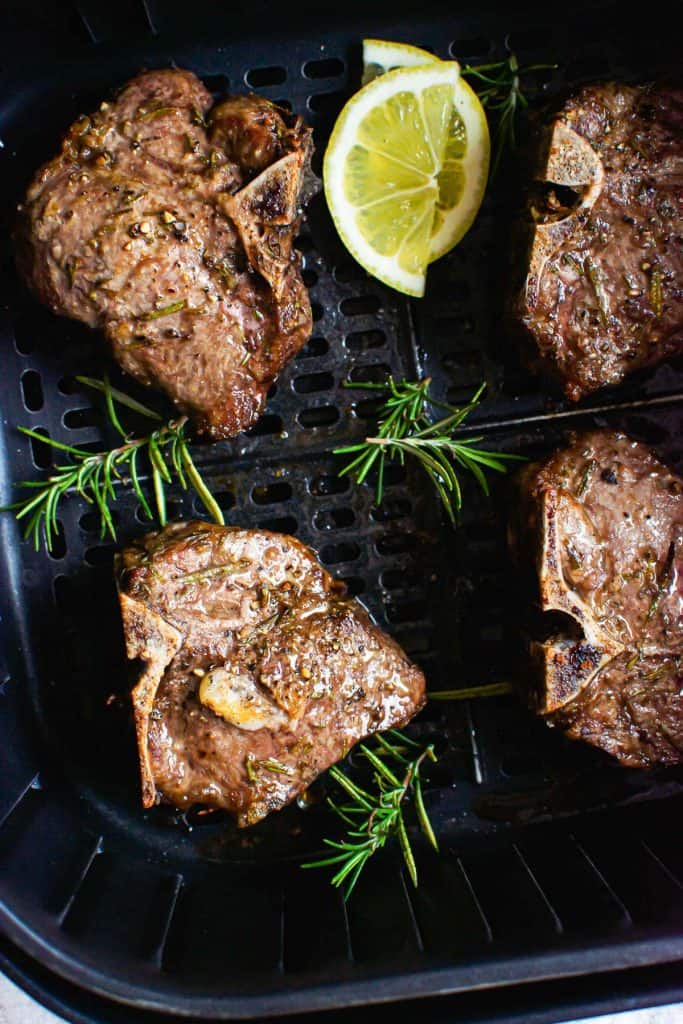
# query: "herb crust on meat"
168, 223
258, 672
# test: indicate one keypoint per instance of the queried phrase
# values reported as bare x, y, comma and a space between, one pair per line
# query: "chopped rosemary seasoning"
656, 293
272, 764
156, 314
591, 466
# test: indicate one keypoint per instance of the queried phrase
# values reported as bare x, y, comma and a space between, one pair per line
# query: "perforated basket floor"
554, 862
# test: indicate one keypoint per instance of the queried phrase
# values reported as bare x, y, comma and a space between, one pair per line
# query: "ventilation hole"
284, 104
520, 764
477, 47
376, 373
24, 339
391, 508
312, 382
32, 389
141, 514
323, 416
329, 67
459, 395
315, 347
76, 419
349, 273
344, 552
63, 590
219, 85
272, 391
326, 102
91, 522
393, 474
530, 39
450, 326
102, 555
406, 611
90, 446
224, 499
269, 424
270, 494
284, 524
40, 453
317, 311
360, 306
334, 519
68, 385
304, 243
354, 584
369, 409
258, 77
395, 543
400, 579
321, 486
361, 341
58, 542
309, 277
174, 509
587, 66
460, 361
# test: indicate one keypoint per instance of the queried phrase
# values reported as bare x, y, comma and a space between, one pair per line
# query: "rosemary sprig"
373, 818
94, 475
404, 429
499, 88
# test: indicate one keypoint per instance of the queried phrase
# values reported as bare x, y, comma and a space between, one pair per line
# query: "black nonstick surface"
554, 862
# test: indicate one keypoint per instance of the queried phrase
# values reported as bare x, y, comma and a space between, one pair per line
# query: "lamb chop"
258, 671
603, 521
169, 225
603, 294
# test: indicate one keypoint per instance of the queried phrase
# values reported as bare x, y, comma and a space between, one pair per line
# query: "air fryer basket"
554, 862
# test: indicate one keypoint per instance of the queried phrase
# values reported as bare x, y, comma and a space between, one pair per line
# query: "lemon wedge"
386, 174
466, 165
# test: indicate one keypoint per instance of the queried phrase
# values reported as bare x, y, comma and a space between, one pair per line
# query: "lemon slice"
466, 166
380, 56
383, 171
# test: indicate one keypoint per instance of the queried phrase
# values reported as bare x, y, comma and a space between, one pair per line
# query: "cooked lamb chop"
258, 672
604, 519
169, 225
603, 295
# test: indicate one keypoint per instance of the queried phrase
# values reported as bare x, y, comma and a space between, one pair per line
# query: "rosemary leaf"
467, 692
207, 498
156, 314
119, 396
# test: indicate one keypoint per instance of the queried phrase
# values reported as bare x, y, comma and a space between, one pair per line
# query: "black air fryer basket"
554, 862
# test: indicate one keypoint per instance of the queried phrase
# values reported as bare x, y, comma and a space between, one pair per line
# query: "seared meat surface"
258, 672
604, 521
169, 225
604, 292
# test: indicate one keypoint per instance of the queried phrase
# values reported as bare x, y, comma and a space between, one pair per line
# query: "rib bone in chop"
604, 521
603, 295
